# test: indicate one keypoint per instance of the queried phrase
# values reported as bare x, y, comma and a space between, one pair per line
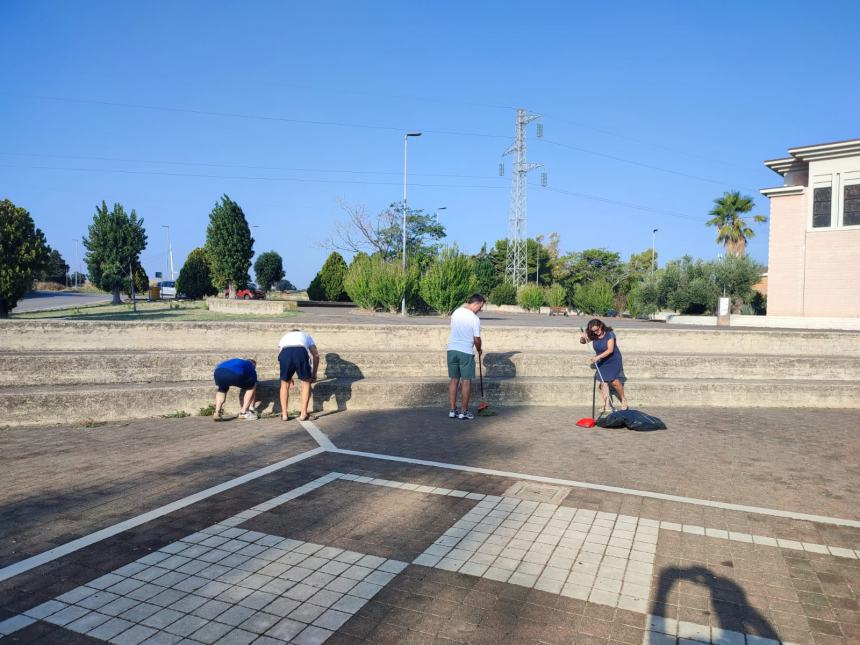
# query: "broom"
483, 406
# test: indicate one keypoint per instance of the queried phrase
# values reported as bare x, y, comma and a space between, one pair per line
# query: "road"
42, 300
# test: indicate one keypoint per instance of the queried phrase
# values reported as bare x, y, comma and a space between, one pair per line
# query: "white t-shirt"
296, 339
465, 327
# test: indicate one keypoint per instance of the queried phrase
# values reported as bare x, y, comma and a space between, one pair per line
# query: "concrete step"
81, 403
259, 337
69, 368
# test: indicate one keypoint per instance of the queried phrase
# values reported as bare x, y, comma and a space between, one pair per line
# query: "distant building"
814, 248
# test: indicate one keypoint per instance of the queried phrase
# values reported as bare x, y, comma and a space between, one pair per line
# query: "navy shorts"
225, 379
294, 360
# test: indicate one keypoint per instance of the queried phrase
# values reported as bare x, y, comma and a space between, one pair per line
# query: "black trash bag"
614, 419
638, 420
632, 419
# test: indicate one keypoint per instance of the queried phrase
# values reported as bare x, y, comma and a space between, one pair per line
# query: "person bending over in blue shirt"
241, 373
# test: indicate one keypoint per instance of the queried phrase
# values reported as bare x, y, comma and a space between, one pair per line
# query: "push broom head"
484, 410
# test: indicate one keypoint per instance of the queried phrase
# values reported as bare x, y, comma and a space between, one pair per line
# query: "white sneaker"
452, 414
249, 416
465, 415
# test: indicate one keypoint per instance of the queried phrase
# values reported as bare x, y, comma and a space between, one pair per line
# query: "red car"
251, 292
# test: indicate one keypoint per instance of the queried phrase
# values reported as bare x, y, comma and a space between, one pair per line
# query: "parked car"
251, 292
168, 289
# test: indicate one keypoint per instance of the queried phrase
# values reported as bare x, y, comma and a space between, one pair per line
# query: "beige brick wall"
785, 255
833, 273
810, 273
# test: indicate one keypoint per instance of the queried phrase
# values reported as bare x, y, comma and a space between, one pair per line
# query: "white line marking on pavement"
318, 435
821, 519
70, 547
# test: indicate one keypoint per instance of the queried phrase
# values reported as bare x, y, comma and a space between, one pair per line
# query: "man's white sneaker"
249, 416
452, 414
465, 415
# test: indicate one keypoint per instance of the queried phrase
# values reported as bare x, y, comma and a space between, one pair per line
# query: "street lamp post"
653, 243
405, 210
77, 263
169, 251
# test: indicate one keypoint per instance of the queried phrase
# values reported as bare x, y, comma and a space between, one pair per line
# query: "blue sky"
165, 106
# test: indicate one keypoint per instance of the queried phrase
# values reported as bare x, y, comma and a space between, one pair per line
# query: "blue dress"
611, 366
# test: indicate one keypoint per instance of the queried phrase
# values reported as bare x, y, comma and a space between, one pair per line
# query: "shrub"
269, 268
374, 284
328, 283
530, 297
504, 294
195, 277
285, 285
594, 298
448, 281
556, 295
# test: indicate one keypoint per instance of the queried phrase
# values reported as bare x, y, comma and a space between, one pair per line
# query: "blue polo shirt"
242, 368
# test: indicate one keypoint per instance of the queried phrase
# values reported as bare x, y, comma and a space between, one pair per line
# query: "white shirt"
296, 339
465, 327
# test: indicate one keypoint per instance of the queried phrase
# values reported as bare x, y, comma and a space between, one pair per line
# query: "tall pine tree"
229, 245
114, 242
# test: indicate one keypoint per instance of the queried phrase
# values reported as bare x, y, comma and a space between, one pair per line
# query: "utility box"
155, 293
724, 312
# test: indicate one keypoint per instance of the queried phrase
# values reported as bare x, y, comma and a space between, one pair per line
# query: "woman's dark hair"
598, 323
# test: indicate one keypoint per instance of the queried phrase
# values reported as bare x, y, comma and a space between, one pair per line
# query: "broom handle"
481, 373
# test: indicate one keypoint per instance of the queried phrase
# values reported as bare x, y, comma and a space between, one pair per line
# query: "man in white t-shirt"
465, 334
293, 358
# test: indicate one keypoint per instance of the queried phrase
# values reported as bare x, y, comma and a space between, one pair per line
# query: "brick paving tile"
107, 470
778, 458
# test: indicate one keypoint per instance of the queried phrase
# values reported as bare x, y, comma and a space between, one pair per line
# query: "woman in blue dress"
607, 356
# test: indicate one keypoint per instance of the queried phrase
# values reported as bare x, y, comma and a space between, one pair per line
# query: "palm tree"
732, 230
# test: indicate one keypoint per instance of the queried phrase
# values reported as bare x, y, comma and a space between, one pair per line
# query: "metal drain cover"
535, 492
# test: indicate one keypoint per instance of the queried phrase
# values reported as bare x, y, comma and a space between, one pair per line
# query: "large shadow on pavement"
339, 376
728, 599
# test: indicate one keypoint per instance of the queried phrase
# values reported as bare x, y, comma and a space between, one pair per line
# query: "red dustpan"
586, 422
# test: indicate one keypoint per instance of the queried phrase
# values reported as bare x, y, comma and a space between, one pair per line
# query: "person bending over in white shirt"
465, 333
293, 358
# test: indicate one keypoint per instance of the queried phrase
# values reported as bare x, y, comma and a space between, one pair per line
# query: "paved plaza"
402, 526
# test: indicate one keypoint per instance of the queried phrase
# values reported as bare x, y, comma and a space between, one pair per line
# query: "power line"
365, 126
256, 117
243, 166
645, 142
644, 165
353, 182
241, 177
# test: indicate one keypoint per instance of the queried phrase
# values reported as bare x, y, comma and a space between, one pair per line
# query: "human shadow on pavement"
339, 375
500, 364
728, 599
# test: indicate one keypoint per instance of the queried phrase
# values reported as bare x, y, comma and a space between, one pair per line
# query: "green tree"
556, 295
733, 232
383, 234
328, 283
374, 284
23, 252
269, 268
734, 276
286, 285
229, 245
114, 242
504, 294
594, 298
530, 297
538, 260
449, 281
56, 268
485, 271
141, 283
195, 277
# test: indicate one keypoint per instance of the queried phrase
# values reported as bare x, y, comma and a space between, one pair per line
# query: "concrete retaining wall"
250, 307
255, 336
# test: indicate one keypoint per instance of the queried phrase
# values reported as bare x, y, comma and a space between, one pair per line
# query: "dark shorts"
461, 364
294, 360
225, 379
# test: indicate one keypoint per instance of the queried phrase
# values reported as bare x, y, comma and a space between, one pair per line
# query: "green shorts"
461, 364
